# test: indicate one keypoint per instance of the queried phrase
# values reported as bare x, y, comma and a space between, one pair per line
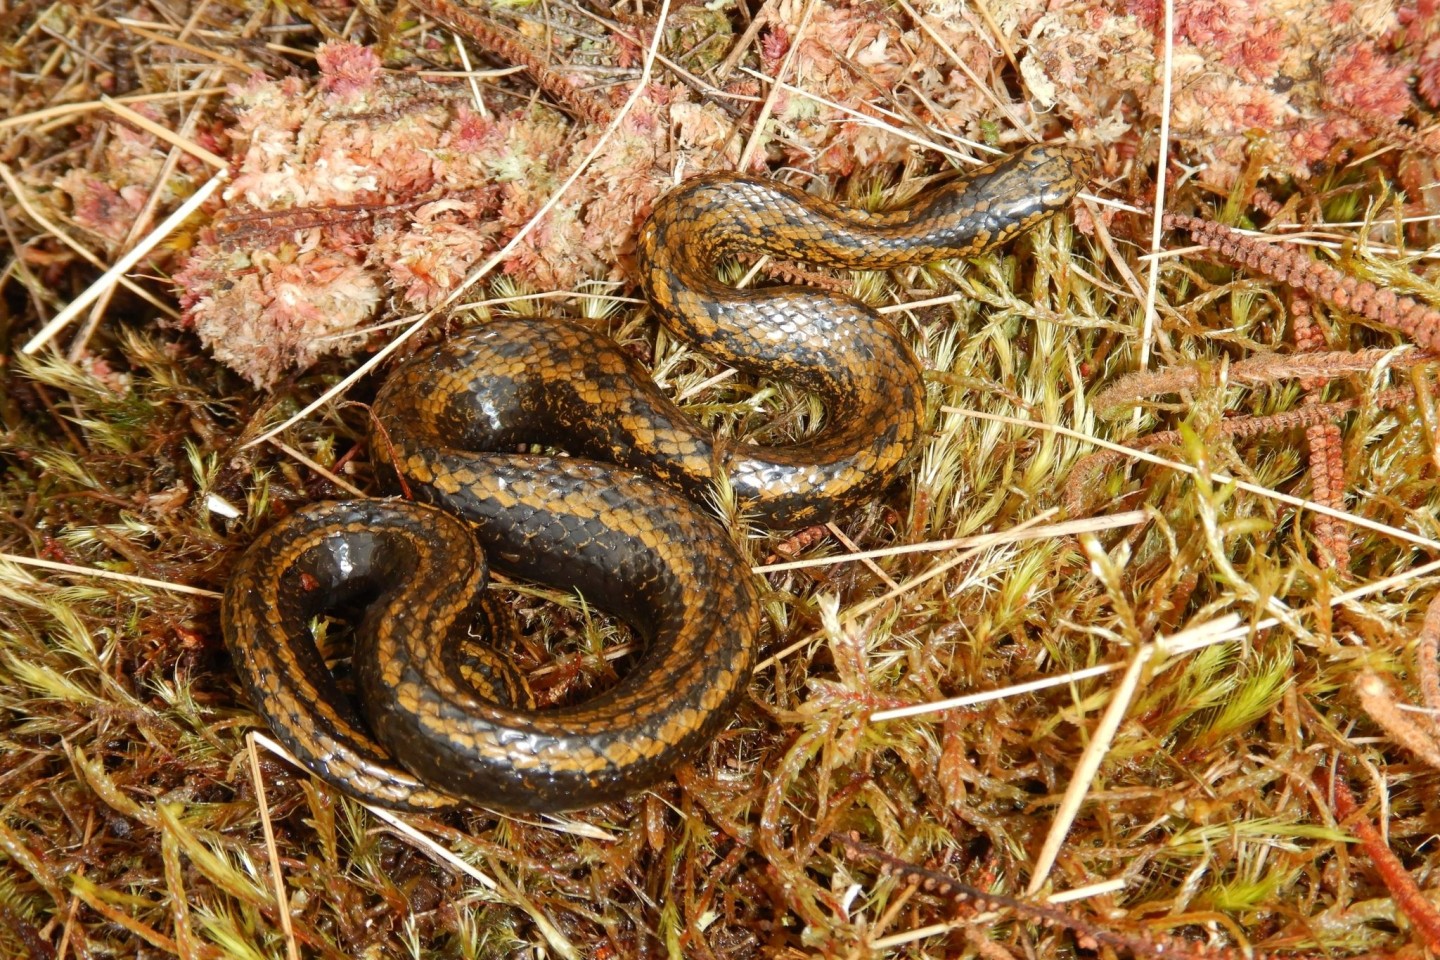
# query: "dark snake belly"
447, 714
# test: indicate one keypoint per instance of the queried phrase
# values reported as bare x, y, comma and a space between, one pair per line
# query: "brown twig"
1397, 879
1327, 487
1309, 338
1377, 700
508, 46
798, 542
1383, 130
1312, 369
791, 272
1327, 465
1265, 203
249, 225
1419, 322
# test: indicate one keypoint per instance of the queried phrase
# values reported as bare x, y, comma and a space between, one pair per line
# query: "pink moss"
1365, 80
1421, 36
347, 69
370, 175
365, 189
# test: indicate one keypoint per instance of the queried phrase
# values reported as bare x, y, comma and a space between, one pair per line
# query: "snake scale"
445, 714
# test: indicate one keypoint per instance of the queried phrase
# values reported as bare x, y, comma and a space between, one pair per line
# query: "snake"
613, 506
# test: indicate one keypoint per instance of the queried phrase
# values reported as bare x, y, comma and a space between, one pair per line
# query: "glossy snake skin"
446, 716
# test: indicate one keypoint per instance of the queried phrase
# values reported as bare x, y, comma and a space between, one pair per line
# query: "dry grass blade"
277, 878
165, 133
72, 109
123, 265
54, 230
78, 571
747, 155
1162, 177
937, 570
1245, 485
1097, 746
1069, 528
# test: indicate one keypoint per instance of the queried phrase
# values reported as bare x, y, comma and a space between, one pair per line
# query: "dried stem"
1312, 369
1327, 465
1397, 879
1419, 322
1379, 703
509, 46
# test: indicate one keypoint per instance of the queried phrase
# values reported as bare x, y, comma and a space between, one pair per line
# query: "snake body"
447, 715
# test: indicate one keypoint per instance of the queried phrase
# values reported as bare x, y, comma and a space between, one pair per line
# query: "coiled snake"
447, 715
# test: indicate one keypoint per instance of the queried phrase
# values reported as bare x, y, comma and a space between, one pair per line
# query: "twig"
165, 133
54, 230
1397, 879
1311, 369
1152, 281
1419, 322
107, 575
277, 878
509, 46
1089, 764
1375, 697
1080, 482
1428, 650
89, 106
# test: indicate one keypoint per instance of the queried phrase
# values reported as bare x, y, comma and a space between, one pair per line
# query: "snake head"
1055, 172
